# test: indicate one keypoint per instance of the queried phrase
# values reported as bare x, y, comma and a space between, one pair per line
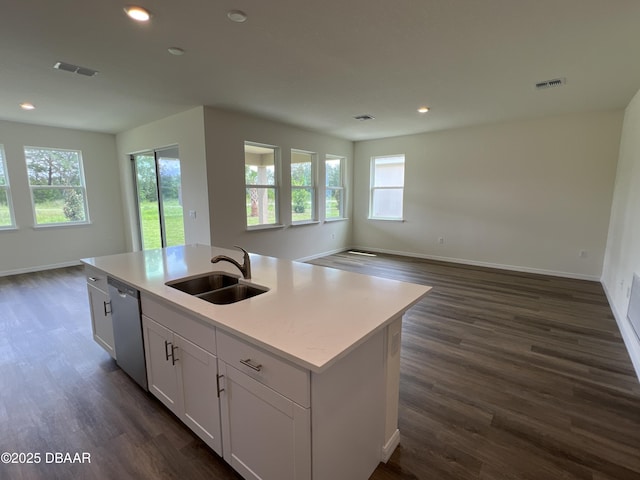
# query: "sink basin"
218, 288
204, 283
231, 294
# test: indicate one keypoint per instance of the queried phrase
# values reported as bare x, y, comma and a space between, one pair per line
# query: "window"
6, 210
303, 186
387, 187
334, 187
261, 184
57, 186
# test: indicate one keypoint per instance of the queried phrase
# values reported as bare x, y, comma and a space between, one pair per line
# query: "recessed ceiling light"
237, 16
175, 51
27, 106
423, 109
139, 14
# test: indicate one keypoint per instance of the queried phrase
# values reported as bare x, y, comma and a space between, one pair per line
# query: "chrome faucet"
245, 268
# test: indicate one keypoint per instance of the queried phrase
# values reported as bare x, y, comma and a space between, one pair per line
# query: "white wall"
28, 248
527, 195
622, 257
226, 133
186, 130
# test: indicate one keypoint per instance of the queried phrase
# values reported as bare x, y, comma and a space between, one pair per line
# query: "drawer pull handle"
173, 355
93, 279
249, 363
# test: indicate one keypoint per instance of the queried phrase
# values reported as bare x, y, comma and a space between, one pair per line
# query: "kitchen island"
299, 382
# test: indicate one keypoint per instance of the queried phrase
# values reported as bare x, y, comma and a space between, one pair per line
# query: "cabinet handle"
107, 312
93, 279
166, 350
173, 355
218, 377
249, 363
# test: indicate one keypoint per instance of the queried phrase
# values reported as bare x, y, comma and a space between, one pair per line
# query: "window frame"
275, 187
313, 187
82, 186
373, 188
341, 188
7, 191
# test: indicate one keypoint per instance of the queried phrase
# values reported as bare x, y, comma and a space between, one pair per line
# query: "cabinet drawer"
190, 328
283, 377
96, 277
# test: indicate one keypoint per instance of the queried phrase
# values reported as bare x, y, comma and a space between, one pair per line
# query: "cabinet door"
161, 371
265, 435
197, 370
101, 322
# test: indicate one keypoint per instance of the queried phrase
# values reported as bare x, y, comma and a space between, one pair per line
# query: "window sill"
9, 228
308, 222
61, 225
274, 226
387, 219
341, 219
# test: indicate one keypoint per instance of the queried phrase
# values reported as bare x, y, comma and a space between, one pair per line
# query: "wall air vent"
556, 82
364, 117
69, 67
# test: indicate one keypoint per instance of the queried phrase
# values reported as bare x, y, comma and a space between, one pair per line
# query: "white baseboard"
500, 266
39, 268
631, 340
323, 254
390, 446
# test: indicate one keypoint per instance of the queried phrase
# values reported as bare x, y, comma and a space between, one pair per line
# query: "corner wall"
226, 133
622, 257
186, 130
525, 195
26, 248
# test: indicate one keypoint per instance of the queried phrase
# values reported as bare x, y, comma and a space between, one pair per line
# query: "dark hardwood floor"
504, 375
507, 375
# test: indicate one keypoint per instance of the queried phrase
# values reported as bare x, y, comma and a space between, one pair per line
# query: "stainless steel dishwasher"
127, 330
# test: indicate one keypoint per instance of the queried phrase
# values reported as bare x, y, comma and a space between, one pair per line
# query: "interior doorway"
159, 197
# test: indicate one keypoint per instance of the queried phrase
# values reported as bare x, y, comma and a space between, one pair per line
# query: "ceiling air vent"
364, 117
69, 67
556, 82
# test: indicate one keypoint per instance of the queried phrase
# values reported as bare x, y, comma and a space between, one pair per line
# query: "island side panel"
348, 403
393, 342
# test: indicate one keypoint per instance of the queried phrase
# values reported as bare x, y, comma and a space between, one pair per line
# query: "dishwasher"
127, 330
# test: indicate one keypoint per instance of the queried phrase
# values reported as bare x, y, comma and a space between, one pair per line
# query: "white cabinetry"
101, 322
181, 374
266, 433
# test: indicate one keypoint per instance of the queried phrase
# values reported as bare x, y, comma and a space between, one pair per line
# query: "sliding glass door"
159, 196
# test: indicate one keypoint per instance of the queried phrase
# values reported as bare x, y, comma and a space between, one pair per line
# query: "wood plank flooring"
504, 375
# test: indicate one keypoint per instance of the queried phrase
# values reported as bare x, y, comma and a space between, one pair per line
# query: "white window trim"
7, 189
372, 167
342, 188
82, 186
313, 187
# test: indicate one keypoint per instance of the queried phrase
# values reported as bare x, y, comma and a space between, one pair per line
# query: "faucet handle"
246, 263
243, 250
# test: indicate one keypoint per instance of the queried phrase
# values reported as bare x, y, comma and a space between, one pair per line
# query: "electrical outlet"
583, 254
441, 240
192, 214
333, 236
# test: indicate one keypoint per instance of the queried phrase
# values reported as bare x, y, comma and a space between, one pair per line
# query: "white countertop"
311, 315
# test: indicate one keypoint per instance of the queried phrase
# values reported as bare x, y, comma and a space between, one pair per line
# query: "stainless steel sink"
203, 283
218, 288
231, 294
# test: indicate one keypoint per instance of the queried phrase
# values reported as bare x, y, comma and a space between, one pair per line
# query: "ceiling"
317, 64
